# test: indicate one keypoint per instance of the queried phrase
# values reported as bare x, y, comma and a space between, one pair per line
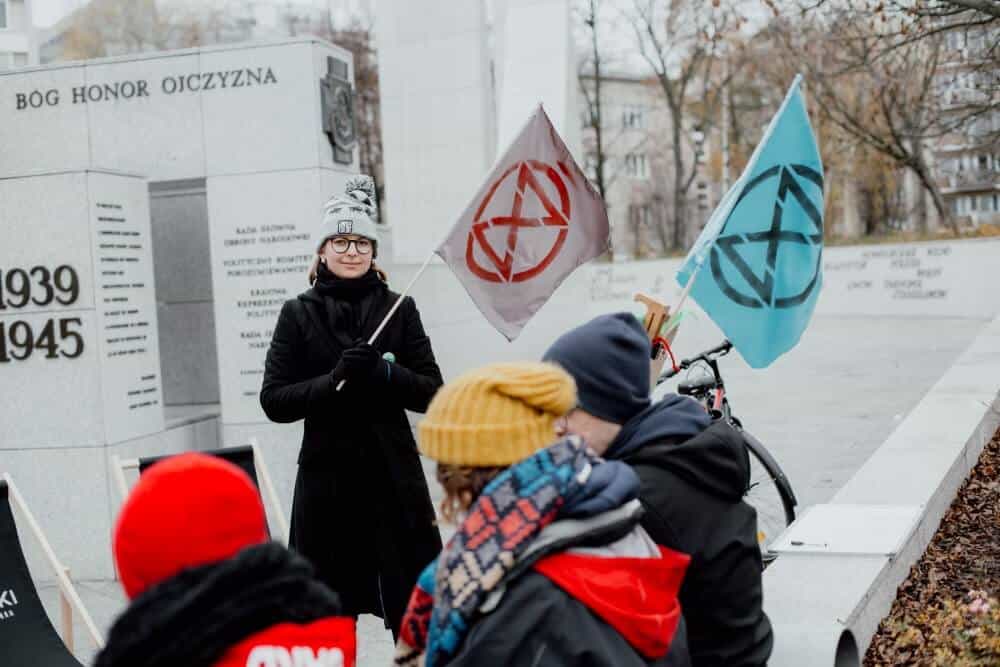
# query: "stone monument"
137, 310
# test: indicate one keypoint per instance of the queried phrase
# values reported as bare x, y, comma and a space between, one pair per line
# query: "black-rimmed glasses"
361, 246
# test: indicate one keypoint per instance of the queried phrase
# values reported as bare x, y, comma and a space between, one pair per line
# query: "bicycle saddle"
696, 386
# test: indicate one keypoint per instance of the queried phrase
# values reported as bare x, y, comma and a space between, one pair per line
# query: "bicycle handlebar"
718, 351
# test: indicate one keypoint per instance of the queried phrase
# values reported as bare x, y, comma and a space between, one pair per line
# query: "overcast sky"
48, 12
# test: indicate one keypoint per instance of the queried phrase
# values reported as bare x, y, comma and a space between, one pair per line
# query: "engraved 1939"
39, 286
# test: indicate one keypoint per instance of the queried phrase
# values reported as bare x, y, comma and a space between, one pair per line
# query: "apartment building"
17, 35
638, 167
968, 159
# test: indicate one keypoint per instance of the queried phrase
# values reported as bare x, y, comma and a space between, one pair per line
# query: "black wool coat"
362, 512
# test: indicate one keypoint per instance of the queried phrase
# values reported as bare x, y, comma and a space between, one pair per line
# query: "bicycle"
769, 492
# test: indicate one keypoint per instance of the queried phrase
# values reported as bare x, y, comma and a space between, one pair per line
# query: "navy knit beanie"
609, 359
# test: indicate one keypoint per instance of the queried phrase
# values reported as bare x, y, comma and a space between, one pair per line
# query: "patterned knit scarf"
505, 519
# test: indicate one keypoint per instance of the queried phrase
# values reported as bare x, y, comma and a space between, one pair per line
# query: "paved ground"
821, 410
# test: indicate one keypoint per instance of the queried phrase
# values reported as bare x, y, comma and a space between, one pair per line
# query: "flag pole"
395, 307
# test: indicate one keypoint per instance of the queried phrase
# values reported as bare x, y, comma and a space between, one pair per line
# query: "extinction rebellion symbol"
526, 176
729, 246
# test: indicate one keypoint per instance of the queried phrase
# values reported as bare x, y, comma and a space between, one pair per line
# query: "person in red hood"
549, 565
207, 589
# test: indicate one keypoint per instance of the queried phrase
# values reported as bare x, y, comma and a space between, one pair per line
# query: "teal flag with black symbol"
757, 266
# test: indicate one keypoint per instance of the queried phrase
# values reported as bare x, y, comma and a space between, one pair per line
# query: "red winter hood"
329, 642
635, 596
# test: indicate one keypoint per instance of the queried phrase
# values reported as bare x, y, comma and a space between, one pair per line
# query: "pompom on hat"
353, 212
496, 415
185, 511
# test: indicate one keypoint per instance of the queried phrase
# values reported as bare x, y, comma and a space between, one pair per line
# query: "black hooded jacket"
693, 475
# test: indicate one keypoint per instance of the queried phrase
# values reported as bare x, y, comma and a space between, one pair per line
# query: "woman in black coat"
362, 511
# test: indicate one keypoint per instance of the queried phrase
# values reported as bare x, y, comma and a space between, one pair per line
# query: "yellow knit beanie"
496, 415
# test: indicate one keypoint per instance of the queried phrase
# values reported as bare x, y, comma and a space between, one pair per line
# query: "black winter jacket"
692, 490
362, 512
554, 611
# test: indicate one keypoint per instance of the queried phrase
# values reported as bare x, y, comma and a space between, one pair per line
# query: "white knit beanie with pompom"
353, 212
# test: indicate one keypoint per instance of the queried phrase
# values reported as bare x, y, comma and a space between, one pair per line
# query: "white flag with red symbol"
534, 220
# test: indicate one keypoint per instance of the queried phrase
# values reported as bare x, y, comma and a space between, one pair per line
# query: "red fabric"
326, 643
187, 510
635, 596
414, 627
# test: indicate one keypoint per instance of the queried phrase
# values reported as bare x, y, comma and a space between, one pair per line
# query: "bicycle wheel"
769, 494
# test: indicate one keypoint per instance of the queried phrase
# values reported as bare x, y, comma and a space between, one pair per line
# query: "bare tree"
950, 8
591, 77
862, 193
897, 24
616, 117
886, 99
975, 10
115, 27
679, 41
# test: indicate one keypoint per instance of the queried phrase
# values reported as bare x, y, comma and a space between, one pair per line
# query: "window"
977, 43
3, 13
633, 117
590, 166
955, 40
636, 165
646, 215
10, 59
639, 217
983, 162
986, 203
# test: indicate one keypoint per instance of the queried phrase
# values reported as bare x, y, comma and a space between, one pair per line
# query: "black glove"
358, 362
